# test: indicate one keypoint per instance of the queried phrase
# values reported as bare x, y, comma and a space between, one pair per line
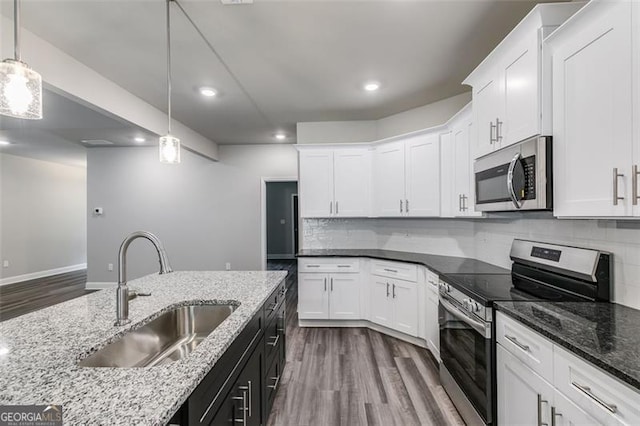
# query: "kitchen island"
39, 351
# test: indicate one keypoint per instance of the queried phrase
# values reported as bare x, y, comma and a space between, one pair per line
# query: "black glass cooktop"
489, 288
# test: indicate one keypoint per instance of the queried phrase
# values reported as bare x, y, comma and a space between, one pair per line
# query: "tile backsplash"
488, 239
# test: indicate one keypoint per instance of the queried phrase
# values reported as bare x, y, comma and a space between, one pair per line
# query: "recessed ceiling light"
209, 92
281, 136
139, 139
372, 86
5, 143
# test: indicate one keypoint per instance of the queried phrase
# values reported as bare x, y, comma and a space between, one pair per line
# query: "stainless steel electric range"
540, 271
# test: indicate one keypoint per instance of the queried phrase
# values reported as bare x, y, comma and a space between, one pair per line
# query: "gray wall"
279, 210
43, 221
206, 213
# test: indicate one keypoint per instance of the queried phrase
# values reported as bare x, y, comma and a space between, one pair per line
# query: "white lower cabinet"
524, 398
566, 413
329, 296
577, 393
394, 304
433, 328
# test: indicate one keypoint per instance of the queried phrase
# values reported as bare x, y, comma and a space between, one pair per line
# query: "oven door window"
466, 354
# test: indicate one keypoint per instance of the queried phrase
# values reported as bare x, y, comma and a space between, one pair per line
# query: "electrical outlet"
227, 266
5, 264
110, 267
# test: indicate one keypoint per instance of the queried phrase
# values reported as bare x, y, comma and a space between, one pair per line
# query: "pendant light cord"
16, 30
168, 64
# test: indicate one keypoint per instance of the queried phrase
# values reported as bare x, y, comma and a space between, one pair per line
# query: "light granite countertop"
39, 351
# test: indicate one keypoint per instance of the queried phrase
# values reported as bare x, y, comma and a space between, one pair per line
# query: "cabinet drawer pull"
344, 266
313, 266
587, 391
275, 385
616, 175
275, 342
395, 271
514, 340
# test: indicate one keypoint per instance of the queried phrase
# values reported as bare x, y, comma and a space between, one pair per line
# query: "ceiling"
66, 123
299, 60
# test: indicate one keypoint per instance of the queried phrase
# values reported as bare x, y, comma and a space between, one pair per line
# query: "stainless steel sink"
170, 337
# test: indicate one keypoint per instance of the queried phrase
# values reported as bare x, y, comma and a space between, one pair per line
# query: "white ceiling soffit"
299, 60
65, 124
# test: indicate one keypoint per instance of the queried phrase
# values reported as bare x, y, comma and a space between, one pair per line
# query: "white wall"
205, 213
423, 117
42, 222
488, 240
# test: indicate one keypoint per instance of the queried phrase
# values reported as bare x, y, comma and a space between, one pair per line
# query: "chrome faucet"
122, 293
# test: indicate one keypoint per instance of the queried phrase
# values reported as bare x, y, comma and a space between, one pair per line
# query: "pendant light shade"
20, 86
169, 145
169, 149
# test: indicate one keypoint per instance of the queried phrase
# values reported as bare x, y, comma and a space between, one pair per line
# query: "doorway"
280, 220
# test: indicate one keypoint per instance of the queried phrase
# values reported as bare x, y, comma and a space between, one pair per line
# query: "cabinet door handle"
331, 283
587, 391
325, 284
554, 414
248, 389
337, 212
634, 185
393, 292
459, 202
330, 207
275, 342
406, 205
400, 206
491, 138
498, 130
464, 203
387, 289
275, 385
514, 340
244, 408
540, 402
616, 175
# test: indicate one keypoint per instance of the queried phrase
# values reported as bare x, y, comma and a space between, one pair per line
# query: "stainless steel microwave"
517, 177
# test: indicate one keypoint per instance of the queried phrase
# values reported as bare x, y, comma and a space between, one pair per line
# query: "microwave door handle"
512, 192
462, 316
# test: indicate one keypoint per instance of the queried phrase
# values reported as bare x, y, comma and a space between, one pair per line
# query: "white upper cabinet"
595, 82
511, 96
458, 195
335, 182
406, 177
388, 179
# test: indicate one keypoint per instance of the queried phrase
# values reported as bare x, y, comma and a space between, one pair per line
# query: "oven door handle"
512, 191
478, 326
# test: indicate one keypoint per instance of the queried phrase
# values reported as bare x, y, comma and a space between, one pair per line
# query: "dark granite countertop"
441, 265
605, 334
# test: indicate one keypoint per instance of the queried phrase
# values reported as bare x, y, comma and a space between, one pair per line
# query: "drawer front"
432, 282
528, 346
274, 335
272, 303
594, 391
328, 264
399, 270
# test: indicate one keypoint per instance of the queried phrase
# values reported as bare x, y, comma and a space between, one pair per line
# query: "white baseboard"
365, 324
42, 274
280, 256
97, 285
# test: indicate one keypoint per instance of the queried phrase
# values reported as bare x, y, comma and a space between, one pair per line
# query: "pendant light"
20, 86
169, 145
